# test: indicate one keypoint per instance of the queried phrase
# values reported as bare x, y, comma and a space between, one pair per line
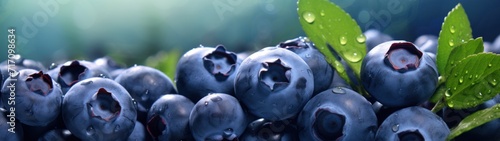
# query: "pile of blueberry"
286, 92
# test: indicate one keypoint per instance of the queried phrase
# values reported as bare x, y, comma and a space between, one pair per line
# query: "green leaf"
474, 81
474, 120
165, 62
461, 51
327, 25
455, 31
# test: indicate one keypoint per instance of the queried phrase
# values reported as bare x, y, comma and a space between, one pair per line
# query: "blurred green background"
131, 31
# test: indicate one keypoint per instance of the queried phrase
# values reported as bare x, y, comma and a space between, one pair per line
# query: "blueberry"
495, 47
427, 43
217, 116
265, 130
58, 135
337, 114
206, 70
398, 74
413, 123
7, 133
139, 132
23, 63
74, 71
274, 83
145, 85
99, 109
107, 63
168, 118
34, 95
322, 71
375, 37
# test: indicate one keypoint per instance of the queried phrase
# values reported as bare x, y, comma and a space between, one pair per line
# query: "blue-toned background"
132, 30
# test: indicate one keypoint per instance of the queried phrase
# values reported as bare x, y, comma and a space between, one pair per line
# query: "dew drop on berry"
395, 128
90, 130
338, 90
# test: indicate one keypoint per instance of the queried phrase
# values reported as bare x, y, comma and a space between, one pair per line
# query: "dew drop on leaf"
322, 13
309, 17
461, 80
343, 40
361, 39
451, 42
452, 29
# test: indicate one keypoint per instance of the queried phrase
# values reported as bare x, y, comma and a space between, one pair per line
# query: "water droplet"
117, 128
206, 103
52, 66
338, 90
470, 76
102, 75
461, 80
228, 132
489, 91
452, 62
451, 42
476, 76
452, 29
87, 82
447, 93
320, 26
493, 82
466, 71
450, 104
361, 38
479, 95
395, 128
90, 130
455, 74
322, 13
339, 67
216, 99
489, 65
343, 40
352, 56
308, 55
454, 88
309, 17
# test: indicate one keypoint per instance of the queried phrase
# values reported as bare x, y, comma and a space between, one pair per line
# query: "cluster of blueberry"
283, 93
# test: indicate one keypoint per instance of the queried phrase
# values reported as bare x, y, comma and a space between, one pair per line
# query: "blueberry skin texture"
427, 43
274, 100
265, 130
195, 77
413, 119
84, 123
360, 120
174, 111
37, 100
5, 134
396, 88
322, 71
145, 85
71, 72
375, 37
139, 133
217, 116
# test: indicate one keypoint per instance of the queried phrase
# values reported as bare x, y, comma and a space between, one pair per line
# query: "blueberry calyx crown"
300, 42
220, 63
39, 83
156, 125
410, 136
70, 74
403, 56
103, 105
328, 125
276, 75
